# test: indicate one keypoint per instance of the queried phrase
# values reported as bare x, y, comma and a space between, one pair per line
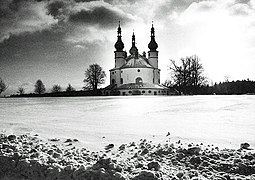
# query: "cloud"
78, 46
241, 9
105, 17
243, 1
56, 8
78, 1
23, 16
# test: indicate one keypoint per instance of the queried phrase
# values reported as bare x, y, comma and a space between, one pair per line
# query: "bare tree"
39, 87
3, 86
188, 74
21, 90
69, 88
56, 88
168, 83
94, 77
197, 78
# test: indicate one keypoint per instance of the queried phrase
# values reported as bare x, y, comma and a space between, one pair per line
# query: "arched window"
113, 81
138, 80
121, 80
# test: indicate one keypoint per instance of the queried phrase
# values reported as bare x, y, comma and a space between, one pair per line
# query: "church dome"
136, 62
133, 50
119, 45
153, 45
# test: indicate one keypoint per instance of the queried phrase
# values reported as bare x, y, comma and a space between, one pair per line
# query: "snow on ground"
225, 121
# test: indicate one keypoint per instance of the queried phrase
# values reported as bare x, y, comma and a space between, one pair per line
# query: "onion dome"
133, 50
119, 45
153, 45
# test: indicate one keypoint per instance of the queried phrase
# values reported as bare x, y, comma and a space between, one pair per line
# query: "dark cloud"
122, 1
102, 16
173, 6
20, 16
78, 1
243, 1
56, 8
14, 5
182, 4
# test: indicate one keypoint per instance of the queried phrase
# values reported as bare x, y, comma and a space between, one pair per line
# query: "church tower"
133, 50
153, 53
120, 55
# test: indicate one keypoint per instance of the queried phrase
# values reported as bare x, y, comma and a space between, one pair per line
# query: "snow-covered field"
225, 121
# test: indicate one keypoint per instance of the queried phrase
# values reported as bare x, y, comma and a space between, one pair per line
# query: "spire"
152, 30
133, 39
119, 30
119, 45
152, 45
133, 50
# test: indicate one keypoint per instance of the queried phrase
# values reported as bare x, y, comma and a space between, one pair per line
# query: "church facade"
135, 74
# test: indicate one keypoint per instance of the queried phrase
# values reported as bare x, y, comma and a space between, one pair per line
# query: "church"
135, 74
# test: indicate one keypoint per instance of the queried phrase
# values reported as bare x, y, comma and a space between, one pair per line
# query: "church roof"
139, 62
110, 87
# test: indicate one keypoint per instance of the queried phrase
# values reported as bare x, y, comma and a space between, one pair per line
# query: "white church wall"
157, 76
115, 76
153, 58
129, 75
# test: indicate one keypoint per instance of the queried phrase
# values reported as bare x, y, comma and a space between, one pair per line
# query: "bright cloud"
24, 16
221, 32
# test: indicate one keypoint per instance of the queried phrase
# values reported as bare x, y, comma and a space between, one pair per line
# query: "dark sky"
55, 41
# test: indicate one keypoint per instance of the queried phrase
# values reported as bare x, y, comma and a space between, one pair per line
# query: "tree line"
186, 76
94, 77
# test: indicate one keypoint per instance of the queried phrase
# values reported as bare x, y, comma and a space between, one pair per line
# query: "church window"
158, 91
129, 92
121, 80
138, 70
136, 92
153, 81
112, 72
113, 81
138, 80
155, 92
143, 91
149, 91
159, 81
